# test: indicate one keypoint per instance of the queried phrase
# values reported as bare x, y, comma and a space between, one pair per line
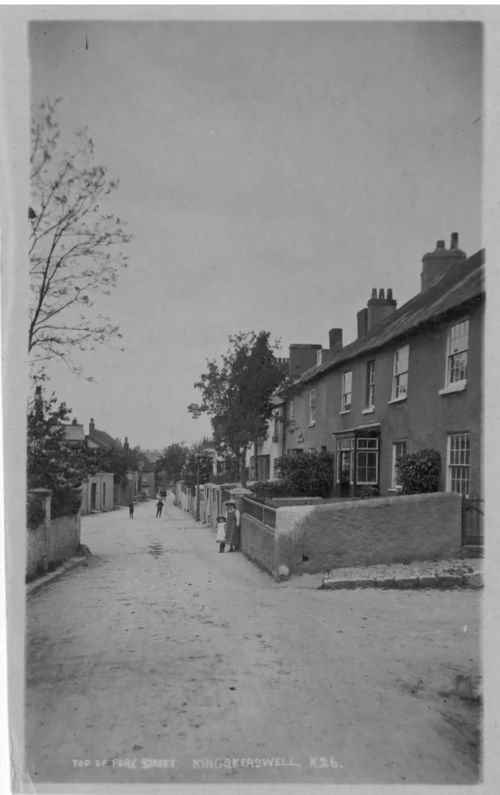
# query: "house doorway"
93, 496
345, 473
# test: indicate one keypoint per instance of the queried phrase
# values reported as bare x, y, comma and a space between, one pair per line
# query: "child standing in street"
131, 510
220, 536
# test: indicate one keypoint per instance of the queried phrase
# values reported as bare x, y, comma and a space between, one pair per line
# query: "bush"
35, 511
265, 490
307, 474
419, 472
65, 502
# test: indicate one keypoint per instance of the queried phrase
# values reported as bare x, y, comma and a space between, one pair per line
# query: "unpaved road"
164, 659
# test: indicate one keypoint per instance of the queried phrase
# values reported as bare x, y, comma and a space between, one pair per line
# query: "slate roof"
73, 431
103, 439
462, 284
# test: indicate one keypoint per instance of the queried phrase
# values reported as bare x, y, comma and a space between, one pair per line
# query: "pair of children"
228, 528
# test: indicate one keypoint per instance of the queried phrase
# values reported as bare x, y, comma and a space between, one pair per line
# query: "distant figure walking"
131, 510
232, 526
159, 508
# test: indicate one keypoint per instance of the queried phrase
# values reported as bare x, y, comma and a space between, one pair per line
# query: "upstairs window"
400, 373
312, 407
370, 384
457, 353
346, 390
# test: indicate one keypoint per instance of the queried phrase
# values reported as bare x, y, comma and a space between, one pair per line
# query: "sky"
271, 173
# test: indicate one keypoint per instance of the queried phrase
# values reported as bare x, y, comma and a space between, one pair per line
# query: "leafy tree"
307, 474
197, 468
75, 244
53, 462
172, 461
419, 472
236, 394
119, 460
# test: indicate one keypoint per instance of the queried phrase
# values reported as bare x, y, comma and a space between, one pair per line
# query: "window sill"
458, 386
368, 411
345, 411
395, 490
397, 400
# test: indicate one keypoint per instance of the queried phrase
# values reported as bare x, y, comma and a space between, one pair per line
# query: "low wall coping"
296, 513
41, 491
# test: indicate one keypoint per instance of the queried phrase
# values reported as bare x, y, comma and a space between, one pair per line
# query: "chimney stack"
335, 340
436, 263
301, 358
380, 308
91, 425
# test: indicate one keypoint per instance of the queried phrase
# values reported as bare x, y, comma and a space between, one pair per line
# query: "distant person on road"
220, 536
131, 510
232, 526
159, 508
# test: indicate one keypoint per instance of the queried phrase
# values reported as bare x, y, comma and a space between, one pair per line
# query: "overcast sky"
271, 174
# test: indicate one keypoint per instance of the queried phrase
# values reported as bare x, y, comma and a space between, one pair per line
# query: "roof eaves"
381, 334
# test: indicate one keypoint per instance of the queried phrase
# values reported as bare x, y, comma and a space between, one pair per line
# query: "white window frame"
291, 409
457, 345
400, 374
312, 407
458, 462
395, 457
346, 392
319, 357
366, 447
370, 386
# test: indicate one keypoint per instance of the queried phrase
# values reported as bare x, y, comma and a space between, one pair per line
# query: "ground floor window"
367, 461
398, 451
458, 464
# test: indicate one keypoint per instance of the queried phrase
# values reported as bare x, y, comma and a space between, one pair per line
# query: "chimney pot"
389, 294
440, 244
374, 292
381, 293
454, 240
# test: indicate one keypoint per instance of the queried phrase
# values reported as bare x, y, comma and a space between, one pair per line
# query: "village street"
163, 659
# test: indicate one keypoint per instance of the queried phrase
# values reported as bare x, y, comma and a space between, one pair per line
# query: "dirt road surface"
165, 661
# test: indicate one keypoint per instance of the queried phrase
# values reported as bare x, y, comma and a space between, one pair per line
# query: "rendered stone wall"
53, 541
63, 538
364, 532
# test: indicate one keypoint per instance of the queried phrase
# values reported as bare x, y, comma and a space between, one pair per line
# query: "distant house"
411, 380
146, 475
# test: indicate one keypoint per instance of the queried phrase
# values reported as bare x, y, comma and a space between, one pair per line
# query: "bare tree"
75, 244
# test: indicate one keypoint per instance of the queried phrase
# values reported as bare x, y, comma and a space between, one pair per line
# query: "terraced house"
411, 380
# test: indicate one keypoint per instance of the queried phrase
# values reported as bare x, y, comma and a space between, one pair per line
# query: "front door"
93, 496
345, 473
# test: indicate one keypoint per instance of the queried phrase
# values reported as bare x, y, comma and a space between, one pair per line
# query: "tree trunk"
255, 455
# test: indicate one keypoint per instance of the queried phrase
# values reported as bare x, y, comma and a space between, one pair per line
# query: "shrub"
65, 502
419, 472
265, 490
35, 511
307, 474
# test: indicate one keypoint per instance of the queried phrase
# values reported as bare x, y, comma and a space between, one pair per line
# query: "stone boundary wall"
365, 532
53, 541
